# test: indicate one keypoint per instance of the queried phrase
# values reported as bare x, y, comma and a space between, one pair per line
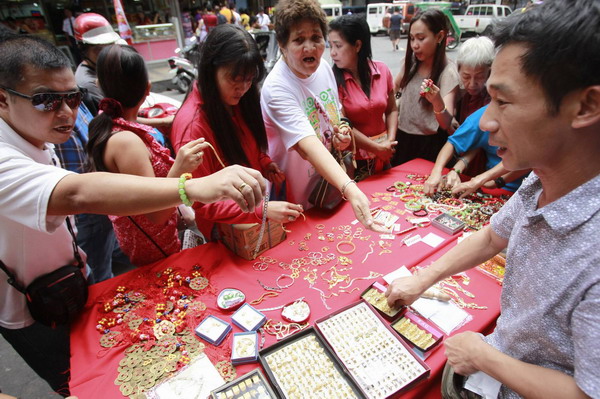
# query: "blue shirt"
72, 153
469, 136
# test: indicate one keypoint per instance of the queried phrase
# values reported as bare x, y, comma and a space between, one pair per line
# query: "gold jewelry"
441, 112
242, 186
346, 252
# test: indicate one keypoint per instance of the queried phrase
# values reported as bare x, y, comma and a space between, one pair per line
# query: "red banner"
124, 28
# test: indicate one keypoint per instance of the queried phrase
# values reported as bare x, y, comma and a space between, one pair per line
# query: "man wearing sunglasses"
38, 106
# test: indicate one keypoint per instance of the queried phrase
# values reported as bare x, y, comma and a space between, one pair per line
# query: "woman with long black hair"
366, 91
224, 109
118, 144
425, 68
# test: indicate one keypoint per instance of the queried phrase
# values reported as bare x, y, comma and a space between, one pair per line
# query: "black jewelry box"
321, 374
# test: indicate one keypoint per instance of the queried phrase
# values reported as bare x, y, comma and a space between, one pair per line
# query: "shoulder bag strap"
11, 277
148, 236
80, 263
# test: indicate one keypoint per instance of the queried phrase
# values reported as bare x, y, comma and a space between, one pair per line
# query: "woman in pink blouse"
366, 90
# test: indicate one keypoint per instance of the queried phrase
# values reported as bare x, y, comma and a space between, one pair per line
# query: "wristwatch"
500, 182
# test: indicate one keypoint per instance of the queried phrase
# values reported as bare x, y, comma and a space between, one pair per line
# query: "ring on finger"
242, 186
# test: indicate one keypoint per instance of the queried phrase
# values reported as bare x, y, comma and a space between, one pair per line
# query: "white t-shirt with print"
293, 109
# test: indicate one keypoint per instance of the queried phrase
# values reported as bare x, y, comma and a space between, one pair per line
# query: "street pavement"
16, 378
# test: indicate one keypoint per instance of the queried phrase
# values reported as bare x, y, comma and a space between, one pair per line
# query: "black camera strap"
11, 277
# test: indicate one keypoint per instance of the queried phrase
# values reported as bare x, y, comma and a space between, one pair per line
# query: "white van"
376, 13
332, 8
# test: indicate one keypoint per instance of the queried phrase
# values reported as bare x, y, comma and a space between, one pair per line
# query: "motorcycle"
183, 68
268, 47
452, 41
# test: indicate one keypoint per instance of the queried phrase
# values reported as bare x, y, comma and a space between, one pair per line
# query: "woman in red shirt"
118, 144
366, 90
230, 119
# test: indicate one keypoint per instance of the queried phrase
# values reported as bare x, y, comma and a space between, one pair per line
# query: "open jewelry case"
303, 366
252, 385
352, 353
379, 361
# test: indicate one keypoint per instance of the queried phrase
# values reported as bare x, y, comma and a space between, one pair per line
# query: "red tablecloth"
94, 369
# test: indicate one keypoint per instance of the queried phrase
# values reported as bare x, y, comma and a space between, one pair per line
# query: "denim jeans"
46, 350
96, 237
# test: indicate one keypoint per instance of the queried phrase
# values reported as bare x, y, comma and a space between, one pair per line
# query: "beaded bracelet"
182, 194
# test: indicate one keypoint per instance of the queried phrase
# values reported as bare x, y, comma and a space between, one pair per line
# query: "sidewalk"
158, 73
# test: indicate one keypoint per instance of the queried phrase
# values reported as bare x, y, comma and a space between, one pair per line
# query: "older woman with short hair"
474, 64
301, 109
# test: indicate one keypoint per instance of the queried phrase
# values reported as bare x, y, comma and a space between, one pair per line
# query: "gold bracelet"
347, 243
343, 190
441, 112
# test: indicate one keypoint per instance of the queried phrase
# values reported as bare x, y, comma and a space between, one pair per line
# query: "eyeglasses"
49, 102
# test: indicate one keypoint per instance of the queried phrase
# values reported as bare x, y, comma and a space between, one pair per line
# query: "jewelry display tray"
393, 334
311, 331
224, 390
448, 224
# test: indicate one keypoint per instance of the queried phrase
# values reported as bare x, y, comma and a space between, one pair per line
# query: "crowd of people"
209, 15
526, 102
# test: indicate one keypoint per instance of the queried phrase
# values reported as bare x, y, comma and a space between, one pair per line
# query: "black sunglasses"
49, 102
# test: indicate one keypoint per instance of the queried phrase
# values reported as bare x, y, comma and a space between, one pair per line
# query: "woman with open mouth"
302, 111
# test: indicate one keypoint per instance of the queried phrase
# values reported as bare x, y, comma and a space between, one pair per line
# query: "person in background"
221, 19
544, 115
39, 98
156, 18
366, 91
395, 28
302, 112
118, 144
227, 13
209, 20
474, 61
67, 28
237, 18
468, 139
228, 72
245, 18
94, 33
262, 21
142, 18
419, 133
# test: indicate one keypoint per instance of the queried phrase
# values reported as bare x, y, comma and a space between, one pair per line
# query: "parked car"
477, 19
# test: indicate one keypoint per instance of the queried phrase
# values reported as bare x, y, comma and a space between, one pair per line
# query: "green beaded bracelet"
182, 194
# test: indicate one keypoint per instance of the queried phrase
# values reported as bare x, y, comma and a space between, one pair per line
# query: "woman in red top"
366, 90
229, 70
120, 145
